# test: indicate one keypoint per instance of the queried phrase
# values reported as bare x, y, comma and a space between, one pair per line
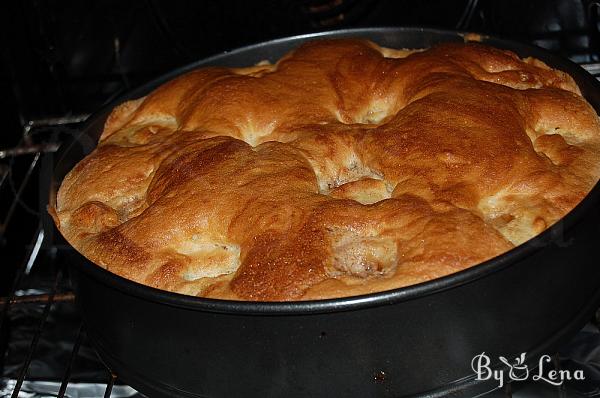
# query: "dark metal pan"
417, 340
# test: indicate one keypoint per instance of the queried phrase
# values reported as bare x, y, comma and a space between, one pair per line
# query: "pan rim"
455, 280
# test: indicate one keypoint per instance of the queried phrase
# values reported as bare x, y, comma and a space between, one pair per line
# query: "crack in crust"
345, 168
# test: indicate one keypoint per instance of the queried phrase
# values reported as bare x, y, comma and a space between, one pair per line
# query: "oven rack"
40, 285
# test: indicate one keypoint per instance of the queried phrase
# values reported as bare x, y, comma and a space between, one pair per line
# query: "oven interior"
61, 61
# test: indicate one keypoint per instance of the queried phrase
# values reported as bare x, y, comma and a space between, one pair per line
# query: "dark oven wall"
64, 59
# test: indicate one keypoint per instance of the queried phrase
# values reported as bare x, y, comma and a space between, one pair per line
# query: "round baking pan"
414, 341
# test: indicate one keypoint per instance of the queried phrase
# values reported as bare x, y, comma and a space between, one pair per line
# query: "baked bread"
343, 169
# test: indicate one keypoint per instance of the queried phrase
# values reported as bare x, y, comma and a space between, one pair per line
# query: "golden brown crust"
343, 169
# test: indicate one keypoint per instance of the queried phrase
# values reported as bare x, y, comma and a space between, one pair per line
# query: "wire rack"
40, 283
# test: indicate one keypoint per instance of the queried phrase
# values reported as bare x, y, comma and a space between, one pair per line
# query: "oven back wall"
67, 58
